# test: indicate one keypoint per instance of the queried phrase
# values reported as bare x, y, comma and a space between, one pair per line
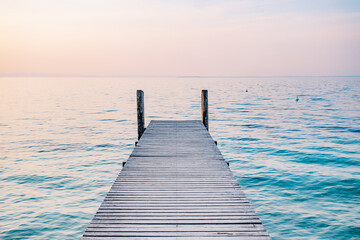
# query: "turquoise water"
63, 141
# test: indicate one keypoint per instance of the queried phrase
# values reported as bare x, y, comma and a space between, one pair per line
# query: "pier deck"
176, 185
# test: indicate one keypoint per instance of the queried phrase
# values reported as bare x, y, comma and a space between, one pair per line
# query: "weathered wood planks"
176, 185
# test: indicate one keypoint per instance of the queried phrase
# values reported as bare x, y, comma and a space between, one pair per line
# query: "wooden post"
140, 113
204, 108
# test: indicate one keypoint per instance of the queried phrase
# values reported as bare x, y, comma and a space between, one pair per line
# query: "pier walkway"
176, 185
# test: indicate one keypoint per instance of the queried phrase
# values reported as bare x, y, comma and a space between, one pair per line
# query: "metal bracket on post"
140, 113
204, 108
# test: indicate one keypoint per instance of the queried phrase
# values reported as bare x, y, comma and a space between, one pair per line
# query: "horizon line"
57, 75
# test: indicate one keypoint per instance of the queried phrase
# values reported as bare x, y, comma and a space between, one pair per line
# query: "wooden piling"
140, 113
204, 108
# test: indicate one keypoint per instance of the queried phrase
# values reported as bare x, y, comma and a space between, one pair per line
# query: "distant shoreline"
41, 75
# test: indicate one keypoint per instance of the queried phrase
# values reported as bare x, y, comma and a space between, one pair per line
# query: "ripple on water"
298, 162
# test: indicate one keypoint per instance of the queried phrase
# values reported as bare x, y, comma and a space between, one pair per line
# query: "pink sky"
284, 37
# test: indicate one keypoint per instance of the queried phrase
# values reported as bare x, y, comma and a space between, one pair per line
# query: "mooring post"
140, 113
204, 108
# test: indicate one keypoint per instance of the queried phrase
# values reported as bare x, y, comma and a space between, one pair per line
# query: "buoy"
246, 90
297, 98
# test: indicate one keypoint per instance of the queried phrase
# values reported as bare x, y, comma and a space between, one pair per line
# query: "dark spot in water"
257, 126
285, 152
52, 150
355, 141
318, 99
293, 130
246, 139
331, 128
105, 146
249, 104
354, 130
108, 119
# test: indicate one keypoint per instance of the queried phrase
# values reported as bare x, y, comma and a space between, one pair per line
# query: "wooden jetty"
176, 185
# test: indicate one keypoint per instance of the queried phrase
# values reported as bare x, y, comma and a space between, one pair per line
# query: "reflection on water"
63, 141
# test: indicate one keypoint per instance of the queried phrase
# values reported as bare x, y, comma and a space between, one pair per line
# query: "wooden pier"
176, 185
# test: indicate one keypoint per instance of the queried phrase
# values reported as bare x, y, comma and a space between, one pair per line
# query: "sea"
293, 144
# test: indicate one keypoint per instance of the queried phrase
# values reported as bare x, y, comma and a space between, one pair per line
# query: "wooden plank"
171, 234
178, 238
175, 228
176, 185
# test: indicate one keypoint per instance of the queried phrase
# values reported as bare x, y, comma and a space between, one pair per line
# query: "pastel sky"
180, 37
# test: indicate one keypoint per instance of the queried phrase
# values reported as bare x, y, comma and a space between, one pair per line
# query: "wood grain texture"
204, 108
140, 112
176, 185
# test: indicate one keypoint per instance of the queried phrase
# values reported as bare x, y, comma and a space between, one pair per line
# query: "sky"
180, 37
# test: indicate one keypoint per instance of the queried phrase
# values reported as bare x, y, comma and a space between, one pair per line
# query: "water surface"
63, 140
